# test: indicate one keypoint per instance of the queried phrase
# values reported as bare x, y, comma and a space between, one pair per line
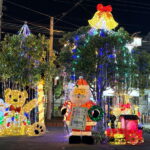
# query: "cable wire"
67, 12
21, 6
37, 25
123, 1
35, 11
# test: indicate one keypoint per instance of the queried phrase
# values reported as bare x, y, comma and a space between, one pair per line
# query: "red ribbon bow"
103, 8
124, 106
16, 109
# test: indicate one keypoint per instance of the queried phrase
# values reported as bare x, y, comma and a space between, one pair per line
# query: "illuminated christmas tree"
100, 54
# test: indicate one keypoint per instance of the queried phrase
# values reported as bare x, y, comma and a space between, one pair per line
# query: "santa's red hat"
81, 81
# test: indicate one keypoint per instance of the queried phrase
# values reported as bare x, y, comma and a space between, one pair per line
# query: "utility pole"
51, 36
1, 8
50, 91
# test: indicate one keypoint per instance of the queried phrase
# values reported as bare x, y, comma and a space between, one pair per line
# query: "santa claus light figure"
81, 114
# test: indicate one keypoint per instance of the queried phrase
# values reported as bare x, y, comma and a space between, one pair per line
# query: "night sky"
133, 15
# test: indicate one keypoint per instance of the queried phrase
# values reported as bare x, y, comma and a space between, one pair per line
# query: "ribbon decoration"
125, 106
17, 109
102, 8
128, 105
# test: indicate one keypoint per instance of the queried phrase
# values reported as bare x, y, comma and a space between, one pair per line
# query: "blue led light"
100, 51
74, 50
111, 56
76, 38
74, 56
102, 33
13, 118
26, 114
7, 109
101, 66
73, 77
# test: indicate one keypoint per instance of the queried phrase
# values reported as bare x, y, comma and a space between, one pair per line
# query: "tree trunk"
49, 103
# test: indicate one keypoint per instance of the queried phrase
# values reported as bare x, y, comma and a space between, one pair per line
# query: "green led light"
16, 116
28, 122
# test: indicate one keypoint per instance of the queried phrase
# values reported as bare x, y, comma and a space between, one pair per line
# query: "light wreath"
99, 109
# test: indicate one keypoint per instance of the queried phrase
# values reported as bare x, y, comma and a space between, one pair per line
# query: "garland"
100, 116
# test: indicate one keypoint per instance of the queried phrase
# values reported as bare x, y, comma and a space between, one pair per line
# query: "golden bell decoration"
103, 18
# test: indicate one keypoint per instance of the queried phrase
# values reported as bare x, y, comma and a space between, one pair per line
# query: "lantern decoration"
103, 19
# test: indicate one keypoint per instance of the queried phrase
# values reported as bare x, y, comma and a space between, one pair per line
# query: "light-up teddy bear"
81, 114
18, 112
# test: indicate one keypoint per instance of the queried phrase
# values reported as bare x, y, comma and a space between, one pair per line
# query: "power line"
131, 11
126, 10
123, 9
21, 6
35, 11
66, 22
131, 2
116, 9
67, 12
38, 25
16, 27
28, 22
126, 4
33, 24
118, 1
122, 1
60, 19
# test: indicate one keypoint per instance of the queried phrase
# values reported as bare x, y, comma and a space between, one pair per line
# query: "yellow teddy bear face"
15, 97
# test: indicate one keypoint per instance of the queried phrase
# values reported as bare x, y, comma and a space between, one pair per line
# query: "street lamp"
137, 41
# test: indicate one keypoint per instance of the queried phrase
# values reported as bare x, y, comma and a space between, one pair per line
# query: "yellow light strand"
40, 101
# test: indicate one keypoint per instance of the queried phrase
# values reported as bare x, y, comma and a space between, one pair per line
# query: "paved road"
55, 140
